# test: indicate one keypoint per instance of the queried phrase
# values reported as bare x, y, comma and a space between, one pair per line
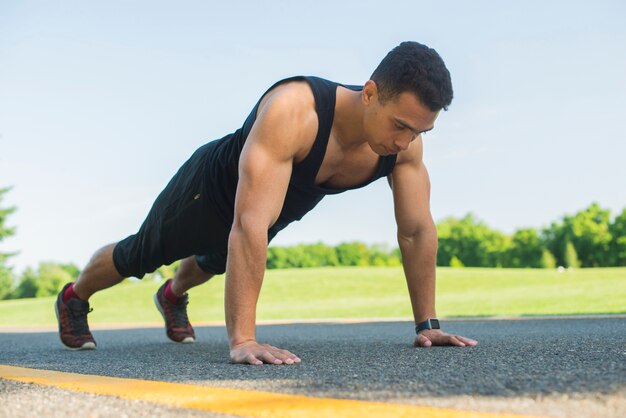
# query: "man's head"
403, 97
416, 68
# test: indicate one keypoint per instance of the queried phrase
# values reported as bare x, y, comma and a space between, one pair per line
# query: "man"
307, 137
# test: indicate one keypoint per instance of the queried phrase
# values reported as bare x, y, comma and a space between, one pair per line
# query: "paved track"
557, 367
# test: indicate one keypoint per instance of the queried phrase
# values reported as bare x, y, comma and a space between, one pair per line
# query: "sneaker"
177, 326
73, 326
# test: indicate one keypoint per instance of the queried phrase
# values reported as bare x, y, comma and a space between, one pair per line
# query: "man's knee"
134, 258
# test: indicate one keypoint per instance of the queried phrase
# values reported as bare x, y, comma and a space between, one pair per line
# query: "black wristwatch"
430, 323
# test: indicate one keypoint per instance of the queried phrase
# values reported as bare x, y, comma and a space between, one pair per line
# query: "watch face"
434, 324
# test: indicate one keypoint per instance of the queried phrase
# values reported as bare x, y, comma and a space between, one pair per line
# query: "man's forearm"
247, 253
419, 258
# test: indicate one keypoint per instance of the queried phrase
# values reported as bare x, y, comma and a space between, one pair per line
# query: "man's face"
390, 128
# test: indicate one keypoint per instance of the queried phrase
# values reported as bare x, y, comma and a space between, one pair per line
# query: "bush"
571, 257
547, 260
46, 281
455, 262
320, 255
6, 283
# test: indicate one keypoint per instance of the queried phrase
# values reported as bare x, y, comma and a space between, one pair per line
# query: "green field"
367, 292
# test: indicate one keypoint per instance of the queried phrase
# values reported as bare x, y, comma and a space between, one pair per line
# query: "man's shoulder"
305, 90
293, 100
287, 113
295, 92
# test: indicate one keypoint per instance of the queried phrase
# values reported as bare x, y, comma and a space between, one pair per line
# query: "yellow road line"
229, 401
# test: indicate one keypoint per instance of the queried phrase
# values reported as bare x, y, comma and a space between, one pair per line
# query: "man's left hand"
430, 337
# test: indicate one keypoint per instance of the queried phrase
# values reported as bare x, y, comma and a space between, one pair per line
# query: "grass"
363, 293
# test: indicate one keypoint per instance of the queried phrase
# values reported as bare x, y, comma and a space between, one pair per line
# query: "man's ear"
369, 93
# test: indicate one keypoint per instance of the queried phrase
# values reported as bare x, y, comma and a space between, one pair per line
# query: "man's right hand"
251, 352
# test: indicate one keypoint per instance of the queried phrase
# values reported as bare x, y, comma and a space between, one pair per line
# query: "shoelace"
179, 311
79, 322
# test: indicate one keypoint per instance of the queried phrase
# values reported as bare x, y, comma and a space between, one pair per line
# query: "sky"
101, 102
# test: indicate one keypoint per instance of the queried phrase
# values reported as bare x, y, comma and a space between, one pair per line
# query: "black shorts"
181, 223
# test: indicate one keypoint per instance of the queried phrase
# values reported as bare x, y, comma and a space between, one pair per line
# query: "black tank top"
222, 162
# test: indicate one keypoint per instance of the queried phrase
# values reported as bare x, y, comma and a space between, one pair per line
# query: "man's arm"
417, 238
264, 170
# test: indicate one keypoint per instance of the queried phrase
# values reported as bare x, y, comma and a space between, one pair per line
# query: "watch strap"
430, 323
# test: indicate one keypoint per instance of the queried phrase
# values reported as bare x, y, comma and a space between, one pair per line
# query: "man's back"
318, 155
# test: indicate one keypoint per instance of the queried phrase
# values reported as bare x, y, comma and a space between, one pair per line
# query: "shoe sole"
186, 340
86, 346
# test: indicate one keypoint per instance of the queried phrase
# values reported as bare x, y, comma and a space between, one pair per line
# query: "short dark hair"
416, 68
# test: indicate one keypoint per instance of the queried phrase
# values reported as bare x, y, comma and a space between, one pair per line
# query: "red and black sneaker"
177, 326
73, 326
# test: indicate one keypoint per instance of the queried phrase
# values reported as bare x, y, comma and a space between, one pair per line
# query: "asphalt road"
556, 367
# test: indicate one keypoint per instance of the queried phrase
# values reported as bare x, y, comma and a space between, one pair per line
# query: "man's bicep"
283, 125
263, 181
411, 194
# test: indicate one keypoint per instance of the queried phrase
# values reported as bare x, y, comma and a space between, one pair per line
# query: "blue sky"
100, 102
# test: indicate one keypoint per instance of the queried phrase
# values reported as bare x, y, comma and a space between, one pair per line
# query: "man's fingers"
453, 340
270, 358
290, 355
422, 341
427, 339
460, 341
279, 356
282, 356
251, 359
467, 341
254, 353
285, 355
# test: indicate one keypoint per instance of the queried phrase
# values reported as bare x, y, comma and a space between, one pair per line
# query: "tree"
589, 233
277, 258
27, 286
547, 260
526, 249
47, 280
497, 246
301, 255
618, 243
380, 255
571, 256
168, 271
72, 270
352, 254
5, 231
6, 283
591, 236
320, 255
455, 262
555, 238
6, 274
52, 277
472, 242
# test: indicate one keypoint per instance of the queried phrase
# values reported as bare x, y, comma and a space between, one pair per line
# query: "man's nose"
402, 143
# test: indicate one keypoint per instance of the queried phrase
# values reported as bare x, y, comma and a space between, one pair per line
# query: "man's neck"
347, 123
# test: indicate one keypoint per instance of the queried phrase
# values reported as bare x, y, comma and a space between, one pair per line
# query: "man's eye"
400, 127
